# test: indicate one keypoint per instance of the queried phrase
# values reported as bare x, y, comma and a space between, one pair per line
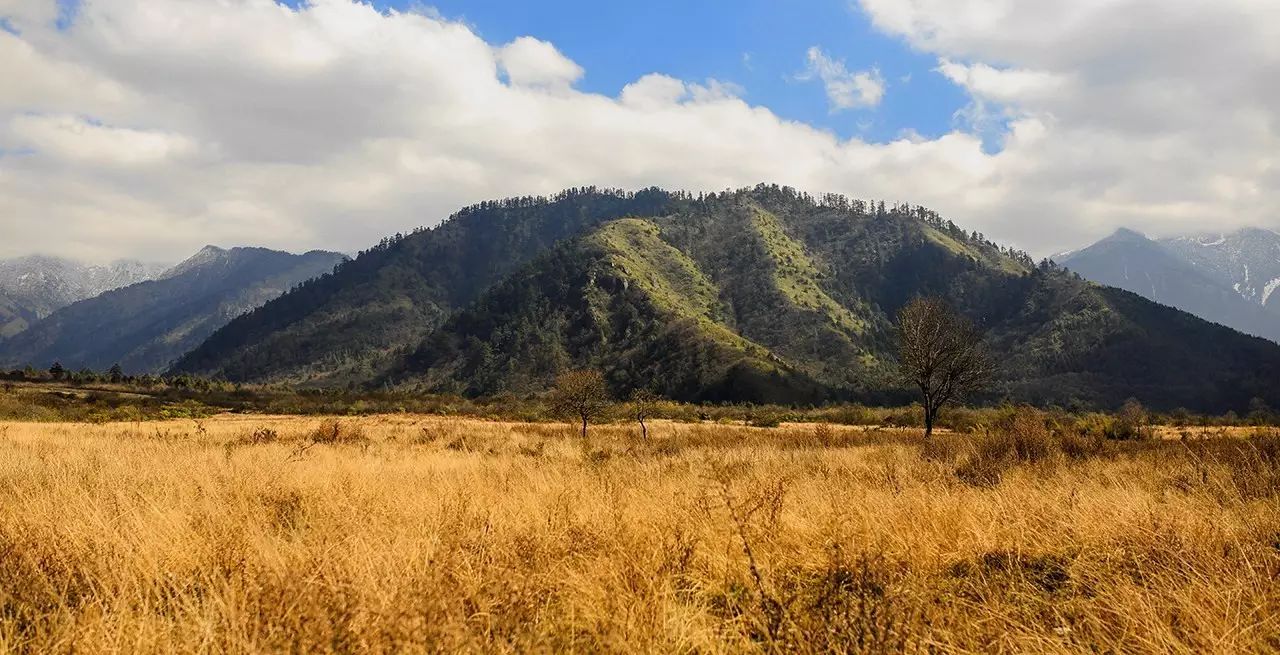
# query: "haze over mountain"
1227, 279
761, 294
146, 326
34, 286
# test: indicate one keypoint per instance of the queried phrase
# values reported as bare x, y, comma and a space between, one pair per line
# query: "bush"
1019, 435
765, 419
824, 434
335, 432
1130, 423
263, 435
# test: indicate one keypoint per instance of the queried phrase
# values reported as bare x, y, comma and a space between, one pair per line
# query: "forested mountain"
350, 326
754, 295
145, 326
35, 286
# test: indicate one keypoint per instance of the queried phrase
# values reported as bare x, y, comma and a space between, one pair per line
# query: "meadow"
411, 533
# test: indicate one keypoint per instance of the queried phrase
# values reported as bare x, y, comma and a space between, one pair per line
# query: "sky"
149, 128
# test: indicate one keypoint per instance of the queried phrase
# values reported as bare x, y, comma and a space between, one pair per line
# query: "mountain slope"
350, 326
1247, 260
757, 295
1130, 261
33, 287
145, 326
14, 316
620, 299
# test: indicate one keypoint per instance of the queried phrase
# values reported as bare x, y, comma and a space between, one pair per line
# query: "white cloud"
1158, 115
530, 62
845, 89
76, 139
152, 128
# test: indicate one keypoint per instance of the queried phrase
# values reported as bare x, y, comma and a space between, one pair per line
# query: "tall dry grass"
259, 534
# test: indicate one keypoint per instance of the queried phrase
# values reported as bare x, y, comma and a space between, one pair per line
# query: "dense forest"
759, 295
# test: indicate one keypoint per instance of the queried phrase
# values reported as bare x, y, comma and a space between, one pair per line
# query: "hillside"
755, 295
14, 316
349, 326
145, 326
35, 286
1182, 273
1247, 260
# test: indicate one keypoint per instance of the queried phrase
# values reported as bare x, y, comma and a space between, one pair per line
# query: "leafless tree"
642, 404
942, 353
581, 394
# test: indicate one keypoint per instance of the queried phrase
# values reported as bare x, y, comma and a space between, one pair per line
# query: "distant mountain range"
147, 325
35, 286
1229, 279
757, 295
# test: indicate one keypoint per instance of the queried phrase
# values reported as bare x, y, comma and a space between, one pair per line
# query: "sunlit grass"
242, 534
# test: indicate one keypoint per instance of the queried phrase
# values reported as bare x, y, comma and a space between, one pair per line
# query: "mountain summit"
759, 295
1224, 278
34, 286
146, 326
1247, 260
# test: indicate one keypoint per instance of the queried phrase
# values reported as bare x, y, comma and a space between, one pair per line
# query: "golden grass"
240, 534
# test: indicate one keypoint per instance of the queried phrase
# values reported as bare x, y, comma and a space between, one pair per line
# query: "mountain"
33, 287
755, 295
145, 326
1247, 260
1185, 274
347, 327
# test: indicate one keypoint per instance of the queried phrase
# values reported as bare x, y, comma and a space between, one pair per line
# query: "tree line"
940, 352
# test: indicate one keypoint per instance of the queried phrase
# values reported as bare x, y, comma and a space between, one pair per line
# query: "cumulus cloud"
530, 62
1160, 116
75, 139
151, 128
845, 89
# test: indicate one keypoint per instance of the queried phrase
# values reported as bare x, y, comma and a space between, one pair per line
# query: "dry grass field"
418, 534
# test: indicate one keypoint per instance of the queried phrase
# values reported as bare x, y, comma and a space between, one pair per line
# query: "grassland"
420, 534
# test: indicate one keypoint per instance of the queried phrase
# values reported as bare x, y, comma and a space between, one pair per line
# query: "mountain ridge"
34, 286
146, 325
1206, 275
760, 295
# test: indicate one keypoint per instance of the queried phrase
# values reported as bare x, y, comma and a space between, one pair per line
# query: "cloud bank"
151, 128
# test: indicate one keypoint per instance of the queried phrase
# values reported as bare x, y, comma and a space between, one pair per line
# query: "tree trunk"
928, 421
644, 432
584, 427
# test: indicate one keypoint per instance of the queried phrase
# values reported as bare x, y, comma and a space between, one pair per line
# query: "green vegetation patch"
796, 276
990, 258
668, 277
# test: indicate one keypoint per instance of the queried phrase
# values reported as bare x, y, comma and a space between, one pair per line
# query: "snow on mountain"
37, 285
1247, 260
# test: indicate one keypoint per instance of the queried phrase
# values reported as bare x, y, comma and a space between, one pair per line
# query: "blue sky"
759, 45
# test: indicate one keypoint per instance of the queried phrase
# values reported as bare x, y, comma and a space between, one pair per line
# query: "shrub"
1019, 436
765, 419
335, 432
438, 431
1130, 423
1077, 444
263, 435
824, 434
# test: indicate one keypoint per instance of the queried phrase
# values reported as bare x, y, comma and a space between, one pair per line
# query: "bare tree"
642, 405
581, 394
942, 353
